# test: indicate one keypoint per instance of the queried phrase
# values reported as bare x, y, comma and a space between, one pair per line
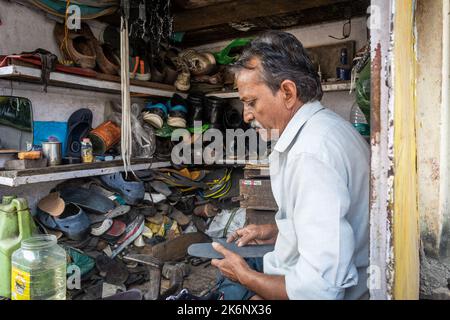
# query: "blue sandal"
73, 222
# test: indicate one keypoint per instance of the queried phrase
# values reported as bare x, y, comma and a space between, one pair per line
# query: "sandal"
73, 222
133, 192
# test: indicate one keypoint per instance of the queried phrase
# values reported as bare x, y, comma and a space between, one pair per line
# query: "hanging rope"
126, 142
66, 29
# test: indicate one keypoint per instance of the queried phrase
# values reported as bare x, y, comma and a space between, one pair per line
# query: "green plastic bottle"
16, 224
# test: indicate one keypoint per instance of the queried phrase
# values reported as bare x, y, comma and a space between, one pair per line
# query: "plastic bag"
227, 222
144, 140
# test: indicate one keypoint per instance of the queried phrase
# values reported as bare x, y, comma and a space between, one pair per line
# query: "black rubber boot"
215, 108
195, 102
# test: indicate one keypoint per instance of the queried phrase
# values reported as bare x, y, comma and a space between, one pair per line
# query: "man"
320, 181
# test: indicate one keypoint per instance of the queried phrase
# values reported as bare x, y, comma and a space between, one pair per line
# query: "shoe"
132, 191
143, 72
163, 149
177, 112
183, 80
232, 119
134, 66
139, 69
107, 60
198, 63
215, 108
195, 103
79, 47
73, 222
157, 70
155, 114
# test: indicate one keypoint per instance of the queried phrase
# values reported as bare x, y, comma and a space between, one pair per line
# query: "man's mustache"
256, 125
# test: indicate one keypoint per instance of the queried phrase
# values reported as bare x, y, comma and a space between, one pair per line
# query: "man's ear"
289, 93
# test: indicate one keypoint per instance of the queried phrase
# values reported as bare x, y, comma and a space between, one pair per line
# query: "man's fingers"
220, 249
215, 263
236, 235
245, 240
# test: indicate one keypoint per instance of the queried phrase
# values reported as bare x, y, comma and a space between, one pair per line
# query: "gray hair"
282, 58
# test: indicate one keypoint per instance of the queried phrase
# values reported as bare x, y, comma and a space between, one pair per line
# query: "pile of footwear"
81, 48
111, 225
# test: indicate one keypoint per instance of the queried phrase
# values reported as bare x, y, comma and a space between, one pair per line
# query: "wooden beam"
238, 11
307, 17
406, 216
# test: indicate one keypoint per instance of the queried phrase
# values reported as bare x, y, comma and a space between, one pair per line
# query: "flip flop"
78, 127
180, 218
206, 250
100, 228
87, 199
118, 211
133, 294
133, 231
115, 232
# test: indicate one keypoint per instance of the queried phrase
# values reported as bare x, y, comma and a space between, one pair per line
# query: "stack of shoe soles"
214, 185
84, 49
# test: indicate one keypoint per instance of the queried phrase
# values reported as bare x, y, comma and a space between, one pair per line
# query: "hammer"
154, 267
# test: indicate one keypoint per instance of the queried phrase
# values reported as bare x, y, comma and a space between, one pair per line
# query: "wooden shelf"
16, 178
326, 87
104, 83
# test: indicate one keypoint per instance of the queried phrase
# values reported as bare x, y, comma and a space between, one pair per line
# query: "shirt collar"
296, 123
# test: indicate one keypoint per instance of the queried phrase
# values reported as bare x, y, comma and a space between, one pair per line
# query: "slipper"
117, 273
164, 208
100, 228
133, 192
180, 218
78, 127
118, 211
87, 199
133, 231
52, 204
114, 233
147, 210
161, 187
156, 219
73, 222
206, 250
133, 294
176, 249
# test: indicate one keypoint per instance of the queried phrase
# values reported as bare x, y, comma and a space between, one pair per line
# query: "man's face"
262, 109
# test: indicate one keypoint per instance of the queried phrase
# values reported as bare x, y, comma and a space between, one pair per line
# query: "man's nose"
248, 116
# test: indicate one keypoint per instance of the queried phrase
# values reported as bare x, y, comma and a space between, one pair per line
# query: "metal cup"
52, 151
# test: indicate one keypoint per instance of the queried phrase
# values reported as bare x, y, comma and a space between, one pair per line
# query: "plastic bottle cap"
86, 140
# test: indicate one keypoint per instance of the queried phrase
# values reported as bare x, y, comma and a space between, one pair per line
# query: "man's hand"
255, 234
232, 266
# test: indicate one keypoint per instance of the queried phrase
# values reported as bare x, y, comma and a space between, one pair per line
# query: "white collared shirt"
320, 181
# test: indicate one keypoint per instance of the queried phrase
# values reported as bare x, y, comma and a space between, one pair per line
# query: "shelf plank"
326, 87
28, 176
58, 79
